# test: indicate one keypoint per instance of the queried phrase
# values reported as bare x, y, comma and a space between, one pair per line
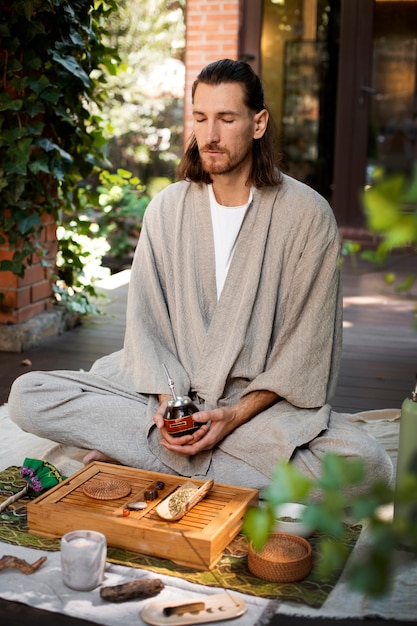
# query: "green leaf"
20, 156
125, 174
350, 247
48, 146
51, 95
371, 573
407, 284
364, 508
34, 108
72, 66
45, 89
29, 7
257, 526
381, 203
14, 65
382, 212
16, 265
12, 135
76, 39
402, 233
32, 61
35, 127
40, 165
288, 484
28, 223
58, 169
410, 193
389, 278
377, 256
39, 84
339, 472
328, 515
332, 555
19, 83
9, 104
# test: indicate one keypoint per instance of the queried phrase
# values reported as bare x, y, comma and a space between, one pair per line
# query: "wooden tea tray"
196, 540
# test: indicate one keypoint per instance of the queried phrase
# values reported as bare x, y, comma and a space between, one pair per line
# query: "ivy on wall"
52, 66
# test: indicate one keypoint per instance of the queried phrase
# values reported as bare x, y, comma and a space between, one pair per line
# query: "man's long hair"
265, 161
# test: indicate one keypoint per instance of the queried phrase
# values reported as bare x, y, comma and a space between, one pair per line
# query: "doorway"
340, 79
392, 145
376, 122
299, 53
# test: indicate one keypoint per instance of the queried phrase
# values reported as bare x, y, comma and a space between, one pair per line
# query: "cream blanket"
276, 326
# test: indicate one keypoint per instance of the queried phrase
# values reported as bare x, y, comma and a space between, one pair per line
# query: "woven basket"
283, 559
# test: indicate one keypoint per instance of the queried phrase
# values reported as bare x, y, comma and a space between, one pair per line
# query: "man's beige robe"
277, 325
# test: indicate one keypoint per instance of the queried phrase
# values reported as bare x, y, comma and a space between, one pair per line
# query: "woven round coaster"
106, 488
283, 559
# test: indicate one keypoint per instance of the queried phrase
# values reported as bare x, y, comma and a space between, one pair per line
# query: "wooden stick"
181, 609
20, 564
136, 589
13, 498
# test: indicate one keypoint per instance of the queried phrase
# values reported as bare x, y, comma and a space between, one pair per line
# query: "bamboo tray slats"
196, 540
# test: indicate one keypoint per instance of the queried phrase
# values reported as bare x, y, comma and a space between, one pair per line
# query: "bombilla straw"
170, 381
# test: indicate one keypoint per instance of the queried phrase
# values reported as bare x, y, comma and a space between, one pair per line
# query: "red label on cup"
179, 425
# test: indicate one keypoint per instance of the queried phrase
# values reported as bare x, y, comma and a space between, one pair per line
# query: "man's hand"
216, 424
177, 443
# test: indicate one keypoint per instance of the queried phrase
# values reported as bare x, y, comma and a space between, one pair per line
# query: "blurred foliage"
122, 203
350, 249
141, 117
92, 103
329, 503
109, 222
53, 63
391, 210
143, 109
390, 206
78, 267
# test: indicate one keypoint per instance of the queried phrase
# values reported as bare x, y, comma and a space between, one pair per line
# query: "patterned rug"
230, 573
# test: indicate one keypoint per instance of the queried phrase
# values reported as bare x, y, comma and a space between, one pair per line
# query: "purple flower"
30, 476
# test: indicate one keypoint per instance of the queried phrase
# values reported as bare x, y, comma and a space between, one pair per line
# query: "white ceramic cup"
83, 559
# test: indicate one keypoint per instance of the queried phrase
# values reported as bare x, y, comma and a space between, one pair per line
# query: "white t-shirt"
226, 221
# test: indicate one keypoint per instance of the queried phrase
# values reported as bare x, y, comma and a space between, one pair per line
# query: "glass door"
299, 53
340, 79
392, 145
376, 109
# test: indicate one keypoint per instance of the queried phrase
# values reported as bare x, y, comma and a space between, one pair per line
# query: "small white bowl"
295, 512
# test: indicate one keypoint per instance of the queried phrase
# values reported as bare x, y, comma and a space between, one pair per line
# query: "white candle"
83, 559
82, 543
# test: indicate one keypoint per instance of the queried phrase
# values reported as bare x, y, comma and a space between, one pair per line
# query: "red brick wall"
28, 296
212, 32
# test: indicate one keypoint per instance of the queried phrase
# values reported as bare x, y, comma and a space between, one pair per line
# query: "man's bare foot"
96, 455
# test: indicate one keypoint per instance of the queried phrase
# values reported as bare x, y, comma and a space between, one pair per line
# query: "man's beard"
221, 167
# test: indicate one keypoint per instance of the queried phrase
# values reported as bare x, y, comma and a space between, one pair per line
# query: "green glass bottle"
407, 460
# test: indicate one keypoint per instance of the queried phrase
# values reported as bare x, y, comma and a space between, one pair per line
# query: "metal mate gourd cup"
178, 417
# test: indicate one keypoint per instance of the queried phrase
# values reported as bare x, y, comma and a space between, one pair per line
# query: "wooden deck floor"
379, 362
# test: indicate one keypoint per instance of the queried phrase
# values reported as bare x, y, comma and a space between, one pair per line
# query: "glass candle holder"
83, 559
